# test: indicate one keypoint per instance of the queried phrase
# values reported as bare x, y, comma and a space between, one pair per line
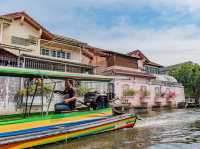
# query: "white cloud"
167, 45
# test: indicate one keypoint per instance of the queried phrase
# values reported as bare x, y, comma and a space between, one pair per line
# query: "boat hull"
25, 138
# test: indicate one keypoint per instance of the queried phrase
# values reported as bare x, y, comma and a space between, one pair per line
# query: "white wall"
23, 30
135, 100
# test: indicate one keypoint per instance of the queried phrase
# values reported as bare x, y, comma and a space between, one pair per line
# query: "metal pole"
33, 98
42, 95
19, 59
27, 94
50, 99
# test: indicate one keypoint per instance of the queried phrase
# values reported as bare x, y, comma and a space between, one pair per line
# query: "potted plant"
158, 95
171, 95
82, 90
144, 93
129, 92
47, 89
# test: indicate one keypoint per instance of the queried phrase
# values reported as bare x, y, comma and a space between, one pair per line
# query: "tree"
189, 76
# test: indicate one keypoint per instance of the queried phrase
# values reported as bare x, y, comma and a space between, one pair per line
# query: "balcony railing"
12, 62
172, 84
36, 63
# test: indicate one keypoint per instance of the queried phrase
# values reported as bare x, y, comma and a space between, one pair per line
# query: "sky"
166, 31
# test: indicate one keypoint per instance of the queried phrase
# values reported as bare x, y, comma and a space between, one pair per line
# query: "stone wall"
152, 99
8, 89
9, 86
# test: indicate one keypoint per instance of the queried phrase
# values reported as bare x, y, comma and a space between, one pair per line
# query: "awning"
35, 73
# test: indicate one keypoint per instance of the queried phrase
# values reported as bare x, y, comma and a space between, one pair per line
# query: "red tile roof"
153, 64
142, 56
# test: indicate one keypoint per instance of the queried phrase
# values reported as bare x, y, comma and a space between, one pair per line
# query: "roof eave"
31, 21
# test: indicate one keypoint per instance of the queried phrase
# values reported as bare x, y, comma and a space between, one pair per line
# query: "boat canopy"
35, 73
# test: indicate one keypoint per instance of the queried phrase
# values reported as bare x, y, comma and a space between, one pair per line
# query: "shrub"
145, 93
81, 90
129, 92
171, 94
47, 88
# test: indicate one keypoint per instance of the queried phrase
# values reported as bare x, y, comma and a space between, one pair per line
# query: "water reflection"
170, 129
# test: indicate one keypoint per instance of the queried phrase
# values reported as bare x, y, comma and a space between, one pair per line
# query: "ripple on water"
175, 146
178, 129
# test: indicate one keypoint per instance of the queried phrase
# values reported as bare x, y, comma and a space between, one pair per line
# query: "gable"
21, 30
24, 17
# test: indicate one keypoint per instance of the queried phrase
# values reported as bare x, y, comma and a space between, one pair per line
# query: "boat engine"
96, 100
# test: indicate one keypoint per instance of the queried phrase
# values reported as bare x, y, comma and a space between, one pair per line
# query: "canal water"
166, 129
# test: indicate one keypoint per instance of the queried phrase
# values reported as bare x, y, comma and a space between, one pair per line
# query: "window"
147, 69
24, 41
68, 55
63, 54
150, 69
45, 52
42, 52
33, 40
53, 53
156, 70
58, 54
157, 91
19, 41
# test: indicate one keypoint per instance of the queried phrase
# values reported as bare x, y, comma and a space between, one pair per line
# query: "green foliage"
81, 90
189, 76
145, 93
47, 88
129, 92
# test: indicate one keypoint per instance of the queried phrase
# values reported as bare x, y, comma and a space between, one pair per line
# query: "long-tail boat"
26, 131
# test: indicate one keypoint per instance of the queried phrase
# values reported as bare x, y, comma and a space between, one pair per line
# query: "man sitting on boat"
69, 102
